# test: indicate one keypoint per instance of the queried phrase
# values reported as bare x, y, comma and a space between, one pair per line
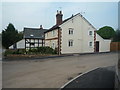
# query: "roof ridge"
81, 16
34, 28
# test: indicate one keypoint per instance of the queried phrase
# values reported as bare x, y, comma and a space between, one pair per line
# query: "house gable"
72, 17
80, 37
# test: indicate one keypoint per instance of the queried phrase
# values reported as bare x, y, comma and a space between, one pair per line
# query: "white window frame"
53, 45
53, 33
71, 31
90, 44
90, 32
70, 43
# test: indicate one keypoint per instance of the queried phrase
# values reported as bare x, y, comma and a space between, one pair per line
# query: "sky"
119, 15
34, 14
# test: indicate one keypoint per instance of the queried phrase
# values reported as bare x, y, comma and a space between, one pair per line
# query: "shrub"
106, 32
18, 51
46, 50
8, 52
38, 50
32, 51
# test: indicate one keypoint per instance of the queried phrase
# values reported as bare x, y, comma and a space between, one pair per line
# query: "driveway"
52, 72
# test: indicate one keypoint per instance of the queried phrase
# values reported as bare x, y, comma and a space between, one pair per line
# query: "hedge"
38, 50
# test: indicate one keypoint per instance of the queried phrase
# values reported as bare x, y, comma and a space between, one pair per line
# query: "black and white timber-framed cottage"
34, 37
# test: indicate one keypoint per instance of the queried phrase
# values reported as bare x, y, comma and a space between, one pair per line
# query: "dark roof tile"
34, 33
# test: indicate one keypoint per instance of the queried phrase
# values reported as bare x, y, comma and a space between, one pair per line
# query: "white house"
75, 35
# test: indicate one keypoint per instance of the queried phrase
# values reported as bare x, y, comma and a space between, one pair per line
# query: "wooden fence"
115, 46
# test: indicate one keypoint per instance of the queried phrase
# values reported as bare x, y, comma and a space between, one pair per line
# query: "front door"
97, 46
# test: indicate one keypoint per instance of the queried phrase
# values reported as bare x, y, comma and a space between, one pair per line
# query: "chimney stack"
59, 17
41, 27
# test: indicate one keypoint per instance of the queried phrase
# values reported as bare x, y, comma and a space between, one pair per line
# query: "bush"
32, 51
46, 50
38, 50
42, 50
18, 51
106, 32
8, 52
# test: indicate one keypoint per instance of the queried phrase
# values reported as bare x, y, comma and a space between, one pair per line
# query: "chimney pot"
41, 27
59, 17
57, 11
60, 12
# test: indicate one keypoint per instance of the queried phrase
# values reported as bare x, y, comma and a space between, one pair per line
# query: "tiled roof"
34, 33
54, 27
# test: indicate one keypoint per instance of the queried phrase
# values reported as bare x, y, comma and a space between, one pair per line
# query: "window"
90, 33
70, 43
90, 44
53, 33
70, 31
32, 43
53, 45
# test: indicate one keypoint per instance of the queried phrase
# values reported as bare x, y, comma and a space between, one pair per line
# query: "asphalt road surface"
52, 72
97, 78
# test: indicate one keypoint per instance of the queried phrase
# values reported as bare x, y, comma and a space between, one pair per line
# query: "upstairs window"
70, 43
53, 33
70, 31
90, 33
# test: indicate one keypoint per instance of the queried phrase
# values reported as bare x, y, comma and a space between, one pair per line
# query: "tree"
116, 37
10, 36
106, 32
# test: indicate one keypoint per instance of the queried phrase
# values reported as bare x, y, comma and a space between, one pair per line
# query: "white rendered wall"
86, 27
80, 36
20, 44
11, 47
50, 34
50, 43
51, 38
104, 45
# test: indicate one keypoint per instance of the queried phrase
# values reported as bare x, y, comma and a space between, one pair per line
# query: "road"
52, 72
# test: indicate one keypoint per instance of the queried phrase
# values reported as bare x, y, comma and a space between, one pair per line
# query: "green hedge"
18, 51
42, 50
38, 50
